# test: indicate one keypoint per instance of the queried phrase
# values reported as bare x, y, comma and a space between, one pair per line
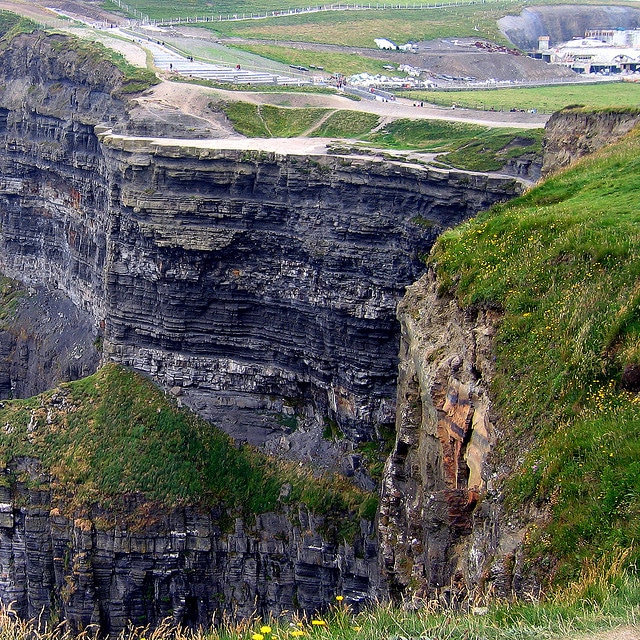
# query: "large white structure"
600, 51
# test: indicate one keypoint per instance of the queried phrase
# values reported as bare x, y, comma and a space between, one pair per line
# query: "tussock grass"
563, 263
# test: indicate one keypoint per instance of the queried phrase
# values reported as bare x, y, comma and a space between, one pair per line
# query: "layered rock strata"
147, 564
571, 134
237, 278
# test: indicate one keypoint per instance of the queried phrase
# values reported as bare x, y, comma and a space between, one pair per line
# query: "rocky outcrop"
571, 134
142, 564
441, 530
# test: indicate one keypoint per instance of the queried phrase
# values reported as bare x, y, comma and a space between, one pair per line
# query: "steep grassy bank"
115, 434
563, 263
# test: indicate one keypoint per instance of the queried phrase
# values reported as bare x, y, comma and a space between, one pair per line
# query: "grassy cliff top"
81, 57
563, 263
115, 434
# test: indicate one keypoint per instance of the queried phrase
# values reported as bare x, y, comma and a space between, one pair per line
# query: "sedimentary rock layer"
433, 540
236, 277
145, 564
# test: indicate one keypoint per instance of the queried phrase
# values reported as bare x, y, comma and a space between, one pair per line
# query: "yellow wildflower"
265, 629
339, 598
318, 623
257, 636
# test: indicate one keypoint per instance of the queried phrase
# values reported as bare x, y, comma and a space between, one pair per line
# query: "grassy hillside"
115, 433
355, 28
563, 263
460, 145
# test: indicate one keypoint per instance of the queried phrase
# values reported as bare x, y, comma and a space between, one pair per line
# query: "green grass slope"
563, 262
115, 433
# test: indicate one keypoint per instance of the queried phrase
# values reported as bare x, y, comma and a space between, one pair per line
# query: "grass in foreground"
563, 262
598, 603
544, 99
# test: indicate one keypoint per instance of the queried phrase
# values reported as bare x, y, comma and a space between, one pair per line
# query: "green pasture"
460, 145
345, 63
544, 99
353, 28
360, 28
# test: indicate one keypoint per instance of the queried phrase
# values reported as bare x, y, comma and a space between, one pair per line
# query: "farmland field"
544, 99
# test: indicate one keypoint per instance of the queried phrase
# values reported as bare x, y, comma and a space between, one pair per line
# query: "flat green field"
360, 28
345, 63
544, 99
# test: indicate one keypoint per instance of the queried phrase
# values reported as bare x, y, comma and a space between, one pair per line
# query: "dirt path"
317, 125
177, 93
620, 633
32, 11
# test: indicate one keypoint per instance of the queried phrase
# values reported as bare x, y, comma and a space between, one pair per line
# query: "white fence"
227, 17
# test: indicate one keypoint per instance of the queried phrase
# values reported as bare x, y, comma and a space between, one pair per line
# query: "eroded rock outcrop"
144, 564
571, 134
435, 541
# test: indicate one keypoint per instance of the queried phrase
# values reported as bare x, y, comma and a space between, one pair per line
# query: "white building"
595, 54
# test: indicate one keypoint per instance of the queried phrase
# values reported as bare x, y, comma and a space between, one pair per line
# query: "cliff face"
258, 287
149, 564
442, 527
562, 23
244, 281
434, 476
572, 134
